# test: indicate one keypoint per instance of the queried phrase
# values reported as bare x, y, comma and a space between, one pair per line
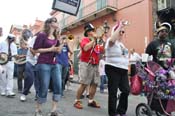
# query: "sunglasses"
122, 32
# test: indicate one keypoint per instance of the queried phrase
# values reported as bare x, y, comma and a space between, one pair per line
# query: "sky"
21, 12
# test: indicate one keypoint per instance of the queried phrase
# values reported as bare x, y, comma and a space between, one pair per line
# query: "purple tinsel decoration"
160, 83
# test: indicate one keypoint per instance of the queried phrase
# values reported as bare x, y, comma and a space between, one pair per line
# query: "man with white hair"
9, 47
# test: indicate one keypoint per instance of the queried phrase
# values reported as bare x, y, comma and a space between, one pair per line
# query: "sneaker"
38, 113
23, 98
78, 105
94, 104
2, 93
10, 94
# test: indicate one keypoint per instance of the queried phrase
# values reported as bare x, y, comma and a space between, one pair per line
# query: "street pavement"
14, 107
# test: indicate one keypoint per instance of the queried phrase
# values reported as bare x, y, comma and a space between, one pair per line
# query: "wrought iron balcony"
92, 11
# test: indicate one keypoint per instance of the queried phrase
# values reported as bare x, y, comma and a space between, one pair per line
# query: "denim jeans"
30, 77
104, 80
45, 73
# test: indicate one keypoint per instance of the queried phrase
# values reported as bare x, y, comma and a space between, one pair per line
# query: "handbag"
136, 85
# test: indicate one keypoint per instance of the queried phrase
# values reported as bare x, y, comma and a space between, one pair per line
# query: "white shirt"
117, 55
30, 58
4, 47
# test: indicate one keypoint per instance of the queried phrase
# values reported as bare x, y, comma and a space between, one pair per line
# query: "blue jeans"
104, 80
45, 73
30, 77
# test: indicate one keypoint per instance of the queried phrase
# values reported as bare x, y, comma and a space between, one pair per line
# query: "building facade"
141, 15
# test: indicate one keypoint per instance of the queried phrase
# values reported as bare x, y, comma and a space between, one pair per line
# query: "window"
172, 3
162, 4
101, 4
80, 13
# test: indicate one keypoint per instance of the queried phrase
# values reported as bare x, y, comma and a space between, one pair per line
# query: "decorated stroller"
158, 85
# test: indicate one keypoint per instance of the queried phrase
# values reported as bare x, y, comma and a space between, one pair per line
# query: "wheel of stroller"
143, 109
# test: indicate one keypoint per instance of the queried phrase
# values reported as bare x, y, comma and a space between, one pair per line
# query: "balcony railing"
85, 13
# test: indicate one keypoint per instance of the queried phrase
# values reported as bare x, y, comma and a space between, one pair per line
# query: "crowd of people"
41, 59
47, 58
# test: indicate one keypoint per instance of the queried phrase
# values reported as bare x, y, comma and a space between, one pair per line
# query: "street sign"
67, 6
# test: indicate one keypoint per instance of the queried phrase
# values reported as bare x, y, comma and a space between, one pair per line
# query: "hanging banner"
67, 6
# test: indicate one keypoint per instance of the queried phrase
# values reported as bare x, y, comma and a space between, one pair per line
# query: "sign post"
67, 6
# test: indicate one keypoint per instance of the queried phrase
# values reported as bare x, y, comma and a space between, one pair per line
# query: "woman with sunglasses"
116, 69
46, 44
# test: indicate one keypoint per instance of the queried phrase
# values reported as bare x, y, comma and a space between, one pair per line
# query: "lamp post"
106, 27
